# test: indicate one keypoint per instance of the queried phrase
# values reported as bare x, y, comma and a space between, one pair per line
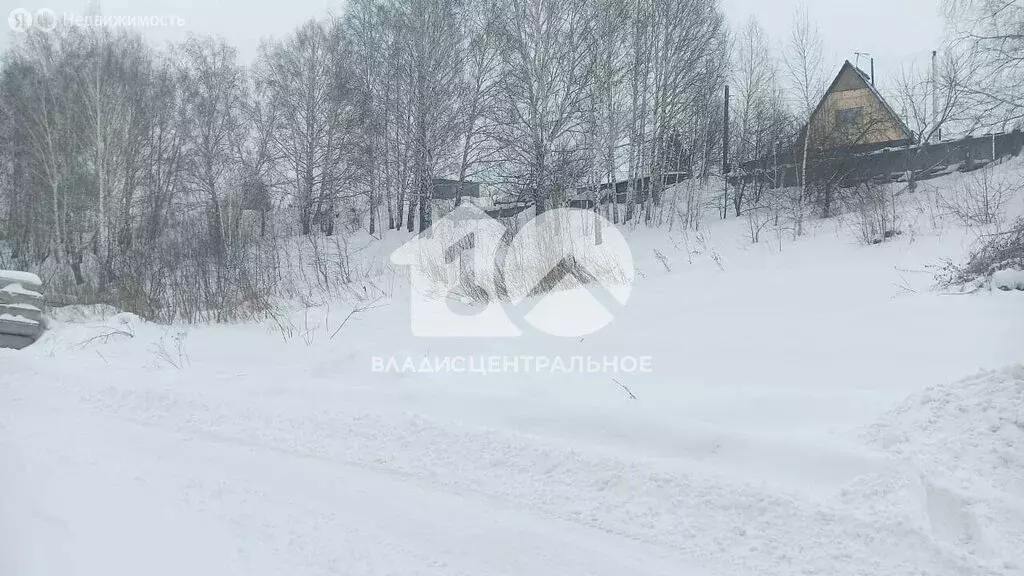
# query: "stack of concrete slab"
21, 309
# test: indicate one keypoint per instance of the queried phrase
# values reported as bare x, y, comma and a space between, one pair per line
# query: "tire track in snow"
726, 525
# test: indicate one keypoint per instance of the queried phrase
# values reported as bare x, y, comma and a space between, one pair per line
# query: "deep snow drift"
812, 408
963, 446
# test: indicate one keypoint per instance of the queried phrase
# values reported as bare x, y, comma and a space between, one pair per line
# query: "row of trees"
536, 97
135, 174
111, 147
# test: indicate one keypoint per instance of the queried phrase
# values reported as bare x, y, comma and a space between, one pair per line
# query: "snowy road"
138, 498
181, 473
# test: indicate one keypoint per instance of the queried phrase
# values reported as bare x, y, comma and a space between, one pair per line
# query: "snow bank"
18, 320
17, 289
971, 428
24, 278
22, 307
960, 472
1008, 280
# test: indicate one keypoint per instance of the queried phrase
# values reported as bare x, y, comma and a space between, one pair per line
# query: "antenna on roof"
859, 54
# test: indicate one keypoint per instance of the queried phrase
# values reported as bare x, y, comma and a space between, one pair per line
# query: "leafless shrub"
979, 198
343, 259
704, 248
700, 247
717, 259
758, 219
320, 263
687, 204
663, 259
108, 334
309, 331
794, 207
284, 326
170, 350
876, 212
357, 310
903, 288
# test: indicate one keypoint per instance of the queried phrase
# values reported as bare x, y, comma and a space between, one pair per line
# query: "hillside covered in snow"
794, 405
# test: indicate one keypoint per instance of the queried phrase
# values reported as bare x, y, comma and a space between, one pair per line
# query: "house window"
849, 118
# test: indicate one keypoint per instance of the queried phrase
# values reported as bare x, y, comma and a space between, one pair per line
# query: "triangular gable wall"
852, 79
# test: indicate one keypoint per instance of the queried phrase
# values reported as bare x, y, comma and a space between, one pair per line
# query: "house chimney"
872, 70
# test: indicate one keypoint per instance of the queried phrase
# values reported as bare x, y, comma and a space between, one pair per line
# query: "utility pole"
725, 156
935, 93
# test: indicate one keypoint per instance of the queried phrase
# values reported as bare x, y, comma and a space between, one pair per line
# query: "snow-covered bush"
989, 264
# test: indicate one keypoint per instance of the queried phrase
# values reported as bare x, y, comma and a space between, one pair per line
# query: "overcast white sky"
241, 22
895, 31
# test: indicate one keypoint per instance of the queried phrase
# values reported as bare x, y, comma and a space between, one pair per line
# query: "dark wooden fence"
852, 167
894, 162
21, 309
584, 196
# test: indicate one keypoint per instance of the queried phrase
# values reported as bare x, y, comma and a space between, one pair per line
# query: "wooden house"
853, 114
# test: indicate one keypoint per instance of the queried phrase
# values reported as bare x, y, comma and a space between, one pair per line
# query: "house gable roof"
866, 81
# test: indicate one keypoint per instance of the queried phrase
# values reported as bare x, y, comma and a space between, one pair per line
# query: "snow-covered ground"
811, 408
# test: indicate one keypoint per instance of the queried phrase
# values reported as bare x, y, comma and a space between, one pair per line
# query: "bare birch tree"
805, 72
545, 85
213, 84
